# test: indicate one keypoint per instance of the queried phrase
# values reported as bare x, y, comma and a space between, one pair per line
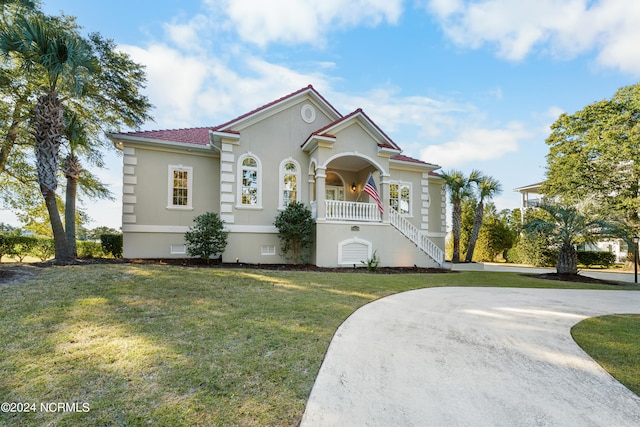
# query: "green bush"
89, 249
24, 246
43, 249
295, 227
589, 258
207, 237
112, 244
532, 249
7, 245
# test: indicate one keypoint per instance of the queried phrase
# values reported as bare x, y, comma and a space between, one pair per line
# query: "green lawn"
178, 346
614, 342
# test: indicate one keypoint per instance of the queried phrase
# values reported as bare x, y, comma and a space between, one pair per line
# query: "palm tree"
487, 187
76, 136
65, 60
459, 187
566, 226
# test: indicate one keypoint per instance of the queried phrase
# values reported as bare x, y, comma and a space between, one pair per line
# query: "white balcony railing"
337, 210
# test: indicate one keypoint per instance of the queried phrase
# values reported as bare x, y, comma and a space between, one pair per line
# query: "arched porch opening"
339, 189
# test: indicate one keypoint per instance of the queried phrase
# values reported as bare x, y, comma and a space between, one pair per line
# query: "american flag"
371, 190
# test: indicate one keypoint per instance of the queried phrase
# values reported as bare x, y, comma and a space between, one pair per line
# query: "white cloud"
475, 145
394, 112
188, 36
174, 80
563, 28
302, 21
202, 89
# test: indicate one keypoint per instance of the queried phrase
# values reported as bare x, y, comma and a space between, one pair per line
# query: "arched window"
249, 181
289, 182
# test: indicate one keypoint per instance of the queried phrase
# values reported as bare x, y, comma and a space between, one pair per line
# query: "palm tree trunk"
48, 130
456, 219
567, 260
72, 170
475, 232
70, 215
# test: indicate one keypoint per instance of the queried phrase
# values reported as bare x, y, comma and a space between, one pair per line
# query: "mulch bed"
573, 278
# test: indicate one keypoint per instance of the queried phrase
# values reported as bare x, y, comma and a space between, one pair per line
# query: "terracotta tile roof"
197, 136
403, 158
388, 141
277, 101
200, 136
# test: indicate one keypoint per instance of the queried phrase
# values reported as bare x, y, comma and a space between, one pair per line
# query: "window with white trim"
180, 187
249, 181
289, 182
400, 197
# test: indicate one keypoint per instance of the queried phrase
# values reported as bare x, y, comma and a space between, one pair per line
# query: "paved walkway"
471, 357
480, 266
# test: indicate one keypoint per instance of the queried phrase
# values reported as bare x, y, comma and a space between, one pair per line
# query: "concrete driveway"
471, 357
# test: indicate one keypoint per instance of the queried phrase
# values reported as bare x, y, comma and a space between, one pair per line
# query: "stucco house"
296, 148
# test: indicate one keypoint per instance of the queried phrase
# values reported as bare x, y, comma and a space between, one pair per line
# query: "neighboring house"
532, 197
297, 148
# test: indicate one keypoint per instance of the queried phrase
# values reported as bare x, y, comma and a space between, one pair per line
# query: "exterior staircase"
416, 236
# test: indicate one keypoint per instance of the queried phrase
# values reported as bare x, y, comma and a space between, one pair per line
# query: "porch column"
384, 196
321, 175
312, 193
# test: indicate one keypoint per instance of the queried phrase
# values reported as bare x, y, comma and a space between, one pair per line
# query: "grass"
178, 346
614, 342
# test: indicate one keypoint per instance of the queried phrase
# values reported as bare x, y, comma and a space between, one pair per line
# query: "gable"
307, 97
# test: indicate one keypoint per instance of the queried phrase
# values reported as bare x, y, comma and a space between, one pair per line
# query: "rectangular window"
400, 197
180, 187
178, 249
268, 250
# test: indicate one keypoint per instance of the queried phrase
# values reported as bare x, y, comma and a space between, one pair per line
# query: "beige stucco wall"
272, 141
150, 226
393, 249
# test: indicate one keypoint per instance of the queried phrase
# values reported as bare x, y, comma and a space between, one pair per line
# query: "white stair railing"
416, 236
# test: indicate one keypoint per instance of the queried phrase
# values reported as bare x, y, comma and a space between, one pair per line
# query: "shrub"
295, 230
112, 244
207, 237
372, 263
24, 246
44, 248
89, 249
589, 258
7, 245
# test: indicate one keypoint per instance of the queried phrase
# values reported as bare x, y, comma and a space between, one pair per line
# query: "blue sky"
463, 84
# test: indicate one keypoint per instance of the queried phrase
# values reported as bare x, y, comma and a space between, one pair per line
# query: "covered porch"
337, 191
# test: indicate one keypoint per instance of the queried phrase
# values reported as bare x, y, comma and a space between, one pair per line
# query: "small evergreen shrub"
112, 244
89, 249
589, 258
295, 227
207, 238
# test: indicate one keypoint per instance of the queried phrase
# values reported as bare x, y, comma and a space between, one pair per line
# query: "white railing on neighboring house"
337, 210
416, 236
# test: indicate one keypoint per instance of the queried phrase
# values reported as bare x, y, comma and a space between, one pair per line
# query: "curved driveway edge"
471, 357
